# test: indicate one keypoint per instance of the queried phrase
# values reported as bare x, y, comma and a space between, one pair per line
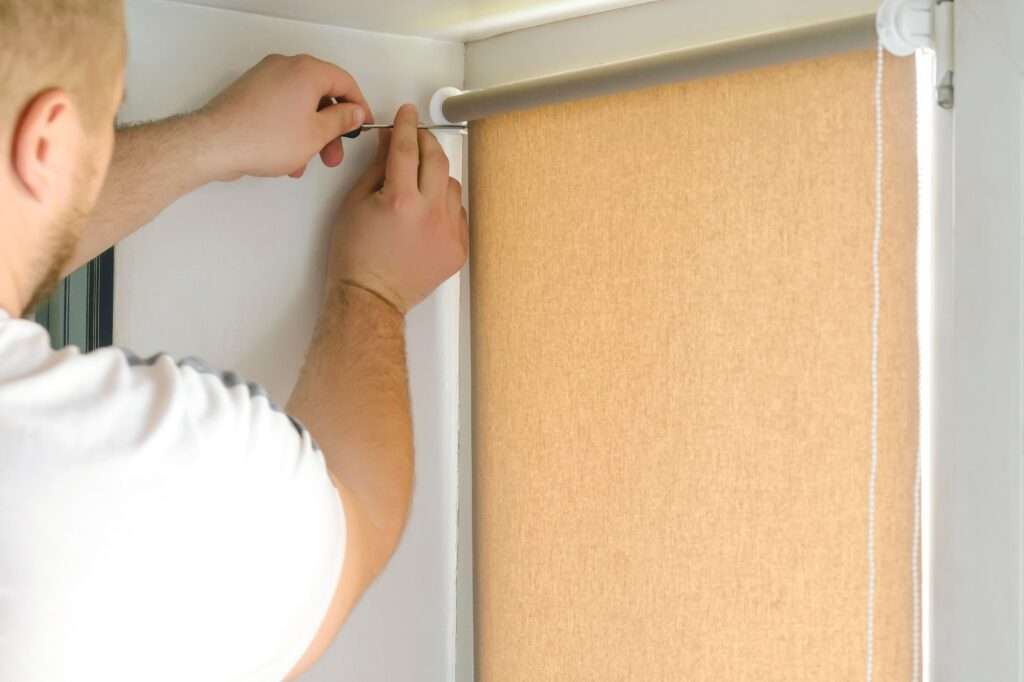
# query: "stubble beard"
67, 231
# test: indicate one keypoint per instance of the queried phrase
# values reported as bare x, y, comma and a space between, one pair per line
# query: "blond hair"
75, 45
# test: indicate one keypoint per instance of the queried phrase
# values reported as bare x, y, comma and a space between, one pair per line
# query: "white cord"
923, 195
875, 314
915, 578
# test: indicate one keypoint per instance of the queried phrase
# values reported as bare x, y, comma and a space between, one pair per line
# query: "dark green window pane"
80, 310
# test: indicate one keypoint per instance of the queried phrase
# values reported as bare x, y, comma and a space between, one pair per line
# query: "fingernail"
358, 116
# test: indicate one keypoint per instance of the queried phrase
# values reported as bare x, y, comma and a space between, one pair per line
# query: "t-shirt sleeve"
223, 536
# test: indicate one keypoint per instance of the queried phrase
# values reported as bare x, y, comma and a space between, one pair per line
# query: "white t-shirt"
157, 521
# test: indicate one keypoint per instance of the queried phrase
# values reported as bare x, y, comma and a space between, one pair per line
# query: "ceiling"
461, 20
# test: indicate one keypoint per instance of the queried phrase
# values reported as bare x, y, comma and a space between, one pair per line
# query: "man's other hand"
402, 229
267, 123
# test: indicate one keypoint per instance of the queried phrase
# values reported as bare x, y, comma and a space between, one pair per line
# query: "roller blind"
671, 310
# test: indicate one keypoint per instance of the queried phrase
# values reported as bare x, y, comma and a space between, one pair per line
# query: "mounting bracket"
908, 25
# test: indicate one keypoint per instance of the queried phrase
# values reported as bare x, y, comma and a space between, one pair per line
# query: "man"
159, 521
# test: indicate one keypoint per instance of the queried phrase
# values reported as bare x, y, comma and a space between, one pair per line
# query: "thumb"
338, 119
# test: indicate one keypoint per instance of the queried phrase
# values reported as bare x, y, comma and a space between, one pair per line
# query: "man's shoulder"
31, 369
70, 406
24, 344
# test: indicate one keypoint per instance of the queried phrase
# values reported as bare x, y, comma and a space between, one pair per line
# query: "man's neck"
16, 257
12, 299
9, 301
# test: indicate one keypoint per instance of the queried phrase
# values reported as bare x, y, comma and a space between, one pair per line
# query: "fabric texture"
672, 298
158, 521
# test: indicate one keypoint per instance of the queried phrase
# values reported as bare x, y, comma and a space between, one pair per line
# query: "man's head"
61, 74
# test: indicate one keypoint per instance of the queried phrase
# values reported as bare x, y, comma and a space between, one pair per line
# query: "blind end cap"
437, 116
905, 25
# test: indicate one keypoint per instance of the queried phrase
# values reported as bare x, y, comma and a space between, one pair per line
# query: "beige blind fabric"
671, 346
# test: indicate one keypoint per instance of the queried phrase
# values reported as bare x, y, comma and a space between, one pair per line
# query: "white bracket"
908, 25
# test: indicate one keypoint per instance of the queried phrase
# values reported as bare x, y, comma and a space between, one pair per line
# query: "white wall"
460, 20
232, 274
639, 31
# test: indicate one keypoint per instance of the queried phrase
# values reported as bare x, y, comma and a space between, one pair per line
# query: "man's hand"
402, 230
267, 122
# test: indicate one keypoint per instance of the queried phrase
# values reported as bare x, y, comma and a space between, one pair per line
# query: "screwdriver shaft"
377, 126
422, 126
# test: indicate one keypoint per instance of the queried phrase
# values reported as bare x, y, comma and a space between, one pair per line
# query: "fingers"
332, 154
404, 153
336, 82
464, 231
298, 173
454, 197
433, 177
338, 119
351, 111
373, 178
457, 212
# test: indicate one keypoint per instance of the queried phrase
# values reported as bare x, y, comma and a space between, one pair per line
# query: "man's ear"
44, 140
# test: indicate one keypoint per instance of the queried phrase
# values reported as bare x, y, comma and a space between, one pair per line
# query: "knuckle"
406, 147
303, 62
438, 163
402, 203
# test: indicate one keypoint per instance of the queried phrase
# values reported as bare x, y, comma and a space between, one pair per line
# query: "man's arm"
402, 232
153, 165
353, 398
267, 123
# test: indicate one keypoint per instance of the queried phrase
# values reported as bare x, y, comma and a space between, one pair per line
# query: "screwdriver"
353, 134
376, 126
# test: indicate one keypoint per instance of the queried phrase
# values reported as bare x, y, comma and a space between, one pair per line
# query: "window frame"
80, 311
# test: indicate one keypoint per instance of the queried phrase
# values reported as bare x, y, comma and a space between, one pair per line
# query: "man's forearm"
353, 396
267, 123
153, 165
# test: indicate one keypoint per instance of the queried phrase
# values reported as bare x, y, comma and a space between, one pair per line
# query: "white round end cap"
436, 103
904, 25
